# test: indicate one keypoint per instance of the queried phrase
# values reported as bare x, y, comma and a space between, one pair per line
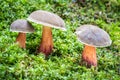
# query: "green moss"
64, 63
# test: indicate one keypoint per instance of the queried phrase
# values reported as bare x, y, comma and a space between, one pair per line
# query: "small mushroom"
48, 20
22, 26
92, 36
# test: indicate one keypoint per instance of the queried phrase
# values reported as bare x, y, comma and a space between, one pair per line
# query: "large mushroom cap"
21, 25
47, 19
93, 35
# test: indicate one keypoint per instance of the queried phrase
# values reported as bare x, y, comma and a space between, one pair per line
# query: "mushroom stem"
21, 38
47, 41
89, 56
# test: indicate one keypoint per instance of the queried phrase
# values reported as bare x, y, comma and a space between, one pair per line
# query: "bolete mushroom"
92, 36
22, 26
48, 20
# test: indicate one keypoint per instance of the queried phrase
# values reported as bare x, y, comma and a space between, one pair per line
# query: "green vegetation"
64, 63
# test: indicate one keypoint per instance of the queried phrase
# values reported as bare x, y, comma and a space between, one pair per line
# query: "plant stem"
21, 38
89, 56
46, 45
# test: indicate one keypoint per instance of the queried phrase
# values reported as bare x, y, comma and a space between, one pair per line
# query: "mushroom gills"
89, 56
46, 45
21, 38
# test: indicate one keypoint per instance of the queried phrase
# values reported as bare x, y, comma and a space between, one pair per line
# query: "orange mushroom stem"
89, 56
46, 45
21, 38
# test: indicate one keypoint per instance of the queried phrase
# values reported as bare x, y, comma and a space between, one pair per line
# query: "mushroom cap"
47, 19
21, 25
93, 36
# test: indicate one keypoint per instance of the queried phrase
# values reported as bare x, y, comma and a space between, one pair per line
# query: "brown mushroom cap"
47, 19
21, 25
93, 35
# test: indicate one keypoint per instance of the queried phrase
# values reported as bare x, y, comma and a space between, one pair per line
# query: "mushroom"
22, 26
92, 36
48, 20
